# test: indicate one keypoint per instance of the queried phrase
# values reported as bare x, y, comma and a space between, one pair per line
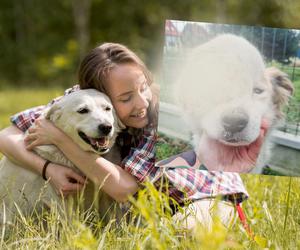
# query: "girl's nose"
142, 101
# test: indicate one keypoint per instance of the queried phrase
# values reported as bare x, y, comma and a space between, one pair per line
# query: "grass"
272, 211
16, 100
167, 147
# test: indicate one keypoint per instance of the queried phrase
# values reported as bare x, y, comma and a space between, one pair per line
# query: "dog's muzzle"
233, 125
100, 144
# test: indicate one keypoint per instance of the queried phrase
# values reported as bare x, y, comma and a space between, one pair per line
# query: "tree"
81, 15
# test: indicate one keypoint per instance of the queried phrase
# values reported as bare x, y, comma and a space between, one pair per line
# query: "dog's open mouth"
233, 142
99, 144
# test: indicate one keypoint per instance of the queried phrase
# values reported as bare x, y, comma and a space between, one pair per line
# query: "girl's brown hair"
95, 67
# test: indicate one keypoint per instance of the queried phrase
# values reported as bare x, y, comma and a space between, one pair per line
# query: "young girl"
115, 70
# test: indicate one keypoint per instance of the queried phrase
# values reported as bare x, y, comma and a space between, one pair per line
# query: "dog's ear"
283, 89
54, 113
118, 122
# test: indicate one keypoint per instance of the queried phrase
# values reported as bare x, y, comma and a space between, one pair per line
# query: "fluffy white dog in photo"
228, 98
87, 116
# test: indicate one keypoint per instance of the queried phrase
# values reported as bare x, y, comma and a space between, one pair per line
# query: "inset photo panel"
230, 97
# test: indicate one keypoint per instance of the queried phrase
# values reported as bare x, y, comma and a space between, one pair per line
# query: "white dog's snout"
235, 121
105, 128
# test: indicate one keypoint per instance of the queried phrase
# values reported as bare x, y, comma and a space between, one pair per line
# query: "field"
272, 211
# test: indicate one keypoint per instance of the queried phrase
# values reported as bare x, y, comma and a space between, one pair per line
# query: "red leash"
243, 220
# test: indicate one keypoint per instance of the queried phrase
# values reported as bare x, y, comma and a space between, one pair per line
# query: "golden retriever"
87, 116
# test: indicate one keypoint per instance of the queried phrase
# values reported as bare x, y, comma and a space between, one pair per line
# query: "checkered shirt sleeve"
26, 118
194, 184
141, 159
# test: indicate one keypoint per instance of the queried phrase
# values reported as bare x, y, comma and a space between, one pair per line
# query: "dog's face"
87, 116
227, 93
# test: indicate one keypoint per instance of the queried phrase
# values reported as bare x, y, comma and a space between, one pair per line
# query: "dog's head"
87, 116
228, 93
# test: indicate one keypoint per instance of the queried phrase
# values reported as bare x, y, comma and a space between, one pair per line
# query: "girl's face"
130, 94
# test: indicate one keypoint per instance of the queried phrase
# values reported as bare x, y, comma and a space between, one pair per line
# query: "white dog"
88, 118
229, 97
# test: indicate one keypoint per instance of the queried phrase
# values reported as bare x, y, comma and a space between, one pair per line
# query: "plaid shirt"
186, 180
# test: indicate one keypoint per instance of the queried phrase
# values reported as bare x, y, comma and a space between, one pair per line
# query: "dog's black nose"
235, 122
105, 129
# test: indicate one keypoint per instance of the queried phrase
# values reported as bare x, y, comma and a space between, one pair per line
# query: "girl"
117, 71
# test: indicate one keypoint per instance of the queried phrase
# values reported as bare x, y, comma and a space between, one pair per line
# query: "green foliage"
166, 147
34, 35
31, 32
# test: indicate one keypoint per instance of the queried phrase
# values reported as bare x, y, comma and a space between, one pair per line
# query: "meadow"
272, 211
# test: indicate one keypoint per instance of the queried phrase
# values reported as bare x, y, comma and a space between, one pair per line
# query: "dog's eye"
83, 111
258, 91
107, 108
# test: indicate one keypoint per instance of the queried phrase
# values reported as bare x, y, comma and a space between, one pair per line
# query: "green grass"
16, 100
272, 211
167, 147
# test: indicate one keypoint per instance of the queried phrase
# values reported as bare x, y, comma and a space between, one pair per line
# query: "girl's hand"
245, 158
64, 180
44, 132
241, 159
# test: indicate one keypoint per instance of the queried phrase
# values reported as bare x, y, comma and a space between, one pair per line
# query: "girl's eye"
258, 90
83, 111
126, 99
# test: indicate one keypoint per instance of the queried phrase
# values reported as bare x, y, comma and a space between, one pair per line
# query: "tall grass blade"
3, 226
287, 205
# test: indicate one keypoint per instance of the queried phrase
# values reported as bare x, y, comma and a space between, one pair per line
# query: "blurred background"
42, 41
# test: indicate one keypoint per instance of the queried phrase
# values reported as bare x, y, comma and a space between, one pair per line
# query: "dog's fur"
226, 93
83, 115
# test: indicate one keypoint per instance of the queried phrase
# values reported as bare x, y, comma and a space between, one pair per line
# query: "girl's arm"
12, 145
114, 180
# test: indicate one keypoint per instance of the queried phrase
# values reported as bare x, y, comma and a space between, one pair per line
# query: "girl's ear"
283, 89
54, 113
